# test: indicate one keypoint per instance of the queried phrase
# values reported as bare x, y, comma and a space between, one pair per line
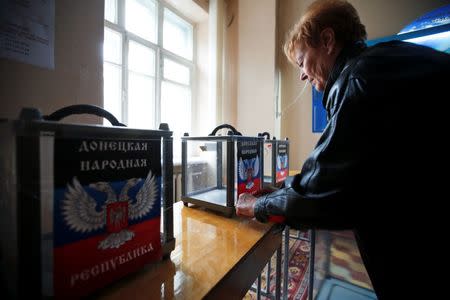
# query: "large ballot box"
81, 205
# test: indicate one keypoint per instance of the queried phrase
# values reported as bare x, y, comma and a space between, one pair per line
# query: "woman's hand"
245, 205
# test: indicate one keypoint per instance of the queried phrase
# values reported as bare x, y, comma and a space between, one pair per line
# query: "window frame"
160, 54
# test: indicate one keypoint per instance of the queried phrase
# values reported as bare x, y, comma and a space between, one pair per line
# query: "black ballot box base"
167, 248
214, 199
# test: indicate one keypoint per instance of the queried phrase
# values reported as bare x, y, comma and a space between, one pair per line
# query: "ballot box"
216, 169
276, 160
81, 205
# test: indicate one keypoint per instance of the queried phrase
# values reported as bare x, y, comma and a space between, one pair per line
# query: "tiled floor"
335, 289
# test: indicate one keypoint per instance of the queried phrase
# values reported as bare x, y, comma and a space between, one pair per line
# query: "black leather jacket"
375, 156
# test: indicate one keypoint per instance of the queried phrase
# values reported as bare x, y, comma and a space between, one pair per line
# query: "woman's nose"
303, 76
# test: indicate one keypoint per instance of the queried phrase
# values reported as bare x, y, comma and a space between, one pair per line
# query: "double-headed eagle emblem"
282, 161
80, 213
248, 170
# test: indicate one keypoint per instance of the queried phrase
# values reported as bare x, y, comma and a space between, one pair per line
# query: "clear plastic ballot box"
276, 160
81, 205
217, 169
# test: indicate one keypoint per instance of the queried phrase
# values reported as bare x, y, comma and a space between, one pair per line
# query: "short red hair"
338, 15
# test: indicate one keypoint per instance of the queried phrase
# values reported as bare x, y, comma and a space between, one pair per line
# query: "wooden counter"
215, 258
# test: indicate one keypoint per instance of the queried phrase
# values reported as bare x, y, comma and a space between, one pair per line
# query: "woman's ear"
328, 39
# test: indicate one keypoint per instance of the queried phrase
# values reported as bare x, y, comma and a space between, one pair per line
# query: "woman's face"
315, 63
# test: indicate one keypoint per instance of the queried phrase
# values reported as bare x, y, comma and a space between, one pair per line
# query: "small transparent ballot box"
276, 160
217, 169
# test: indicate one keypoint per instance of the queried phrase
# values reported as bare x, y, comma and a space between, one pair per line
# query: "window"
148, 65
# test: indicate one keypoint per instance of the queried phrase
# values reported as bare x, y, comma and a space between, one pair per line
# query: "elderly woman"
376, 154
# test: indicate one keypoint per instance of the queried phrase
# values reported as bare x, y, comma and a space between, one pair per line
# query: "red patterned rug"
298, 273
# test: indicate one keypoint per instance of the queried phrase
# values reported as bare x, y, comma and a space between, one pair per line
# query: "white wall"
256, 66
77, 77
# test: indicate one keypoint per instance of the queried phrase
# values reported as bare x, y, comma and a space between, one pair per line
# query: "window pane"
177, 35
176, 72
112, 46
141, 59
141, 101
140, 18
111, 10
176, 111
112, 90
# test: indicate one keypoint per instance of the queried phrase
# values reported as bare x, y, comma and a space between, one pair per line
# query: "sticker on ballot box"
107, 211
282, 163
248, 167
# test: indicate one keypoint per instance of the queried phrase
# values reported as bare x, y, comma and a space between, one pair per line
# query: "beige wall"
201, 126
231, 47
77, 77
386, 17
256, 66
381, 17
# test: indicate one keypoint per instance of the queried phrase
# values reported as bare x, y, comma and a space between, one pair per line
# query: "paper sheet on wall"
27, 30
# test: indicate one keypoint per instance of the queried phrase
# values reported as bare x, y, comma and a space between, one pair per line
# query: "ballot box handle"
265, 134
234, 131
79, 109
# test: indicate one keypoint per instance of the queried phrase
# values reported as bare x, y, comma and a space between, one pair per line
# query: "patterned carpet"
336, 256
346, 263
298, 271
